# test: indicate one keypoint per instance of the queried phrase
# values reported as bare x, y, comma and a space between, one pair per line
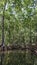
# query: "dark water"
18, 58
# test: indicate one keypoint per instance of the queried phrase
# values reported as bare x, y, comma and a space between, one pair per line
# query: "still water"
18, 58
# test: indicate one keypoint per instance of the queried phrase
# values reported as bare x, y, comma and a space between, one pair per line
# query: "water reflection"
18, 58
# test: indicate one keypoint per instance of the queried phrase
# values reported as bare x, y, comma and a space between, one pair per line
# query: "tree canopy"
20, 21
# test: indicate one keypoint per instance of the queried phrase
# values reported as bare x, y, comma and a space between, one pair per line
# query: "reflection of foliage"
17, 57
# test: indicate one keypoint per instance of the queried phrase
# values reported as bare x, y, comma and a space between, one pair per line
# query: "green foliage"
20, 27
20, 20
